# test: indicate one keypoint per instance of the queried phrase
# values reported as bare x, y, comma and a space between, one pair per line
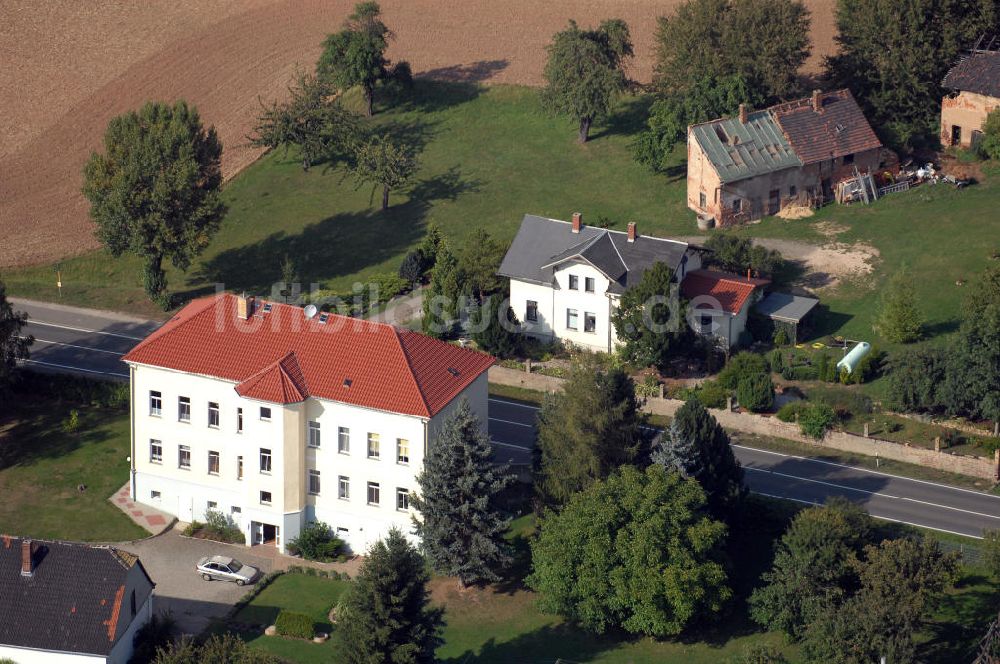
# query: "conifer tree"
697, 446
386, 616
899, 317
461, 524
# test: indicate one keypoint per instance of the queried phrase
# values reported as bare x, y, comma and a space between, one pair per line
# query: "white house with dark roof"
64, 603
566, 279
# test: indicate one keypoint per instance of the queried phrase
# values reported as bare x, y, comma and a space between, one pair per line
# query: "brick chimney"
631, 231
577, 222
818, 101
244, 307
27, 558
743, 114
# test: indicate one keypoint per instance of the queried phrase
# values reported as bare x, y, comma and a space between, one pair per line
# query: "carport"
792, 311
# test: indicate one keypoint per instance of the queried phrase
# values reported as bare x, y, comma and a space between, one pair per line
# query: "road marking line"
66, 366
516, 447
32, 321
873, 493
866, 470
884, 518
519, 424
62, 343
514, 403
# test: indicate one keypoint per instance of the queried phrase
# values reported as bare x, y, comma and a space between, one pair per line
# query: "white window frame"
155, 495
587, 317
589, 284
314, 434
218, 462
402, 445
531, 311
377, 439
155, 397
156, 457
344, 440
212, 505
181, 403
378, 494
265, 452
402, 496
239, 420
181, 450
213, 408
263, 417
269, 498
314, 475
343, 487
573, 282
574, 315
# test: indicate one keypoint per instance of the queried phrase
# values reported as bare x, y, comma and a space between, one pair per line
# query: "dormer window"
574, 282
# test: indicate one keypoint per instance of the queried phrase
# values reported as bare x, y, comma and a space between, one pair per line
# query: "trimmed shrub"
295, 625
741, 365
414, 266
815, 420
756, 392
221, 527
790, 412
315, 542
777, 361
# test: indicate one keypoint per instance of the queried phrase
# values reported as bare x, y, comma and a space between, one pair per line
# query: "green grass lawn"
41, 467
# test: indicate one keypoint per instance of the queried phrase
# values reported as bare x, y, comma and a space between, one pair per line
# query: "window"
183, 456
737, 204
154, 495
184, 409
589, 322
213, 414
956, 135
344, 488
792, 191
531, 313
239, 467
265, 413
265, 460
702, 202
212, 505
314, 434
574, 282
155, 403
236, 510
265, 497
373, 444
588, 284
848, 159
213, 463
239, 420
344, 440
402, 499
314, 482
155, 451
373, 493
402, 451
571, 319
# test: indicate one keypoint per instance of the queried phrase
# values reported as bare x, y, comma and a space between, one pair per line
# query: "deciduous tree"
588, 430
386, 615
635, 551
461, 522
739, 254
381, 162
990, 145
648, 320
13, 346
697, 446
155, 190
585, 72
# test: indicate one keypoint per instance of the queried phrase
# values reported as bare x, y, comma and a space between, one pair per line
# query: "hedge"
296, 625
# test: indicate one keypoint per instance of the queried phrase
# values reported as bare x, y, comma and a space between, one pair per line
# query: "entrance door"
270, 534
956, 135
774, 201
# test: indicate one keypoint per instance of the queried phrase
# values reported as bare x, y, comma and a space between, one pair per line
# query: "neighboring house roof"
787, 135
839, 129
786, 307
72, 602
978, 72
729, 290
282, 357
739, 151
542, 244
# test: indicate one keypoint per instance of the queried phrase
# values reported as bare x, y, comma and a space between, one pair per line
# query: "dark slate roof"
979, 72
839, 129
739, 151
786, 307
541, 244
73, 601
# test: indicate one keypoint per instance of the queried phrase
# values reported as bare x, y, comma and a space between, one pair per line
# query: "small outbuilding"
792, 311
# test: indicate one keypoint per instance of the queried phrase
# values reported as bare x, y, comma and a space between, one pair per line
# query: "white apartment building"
566, 279
278, 419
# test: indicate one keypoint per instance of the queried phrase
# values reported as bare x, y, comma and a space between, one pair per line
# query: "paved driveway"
170, 560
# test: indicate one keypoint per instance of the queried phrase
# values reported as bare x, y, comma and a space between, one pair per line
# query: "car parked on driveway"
225, 568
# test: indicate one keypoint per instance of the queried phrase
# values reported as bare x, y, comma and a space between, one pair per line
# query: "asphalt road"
91, 342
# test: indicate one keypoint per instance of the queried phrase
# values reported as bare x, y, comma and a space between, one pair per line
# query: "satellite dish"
310, 310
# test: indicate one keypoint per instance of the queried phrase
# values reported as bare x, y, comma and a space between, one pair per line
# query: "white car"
225, 568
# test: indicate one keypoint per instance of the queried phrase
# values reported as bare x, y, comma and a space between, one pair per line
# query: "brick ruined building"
974, 85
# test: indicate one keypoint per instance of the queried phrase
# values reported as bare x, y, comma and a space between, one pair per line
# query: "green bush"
296, 625
709, 393
155, 634
780, 337
316, 542
221, 527
72, 423
815, 420
777, 361
804, 372
991, 552
791, 411
756, 392
741, 365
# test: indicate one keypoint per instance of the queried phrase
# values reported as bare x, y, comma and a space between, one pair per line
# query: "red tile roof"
839, 129
282, 357
729, 290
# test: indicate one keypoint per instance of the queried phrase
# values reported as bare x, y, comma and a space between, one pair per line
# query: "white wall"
520, 293
28, 656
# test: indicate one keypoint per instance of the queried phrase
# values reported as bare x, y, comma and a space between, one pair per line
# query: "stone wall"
980, 467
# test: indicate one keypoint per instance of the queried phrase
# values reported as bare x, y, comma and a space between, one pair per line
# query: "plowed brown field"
67, 67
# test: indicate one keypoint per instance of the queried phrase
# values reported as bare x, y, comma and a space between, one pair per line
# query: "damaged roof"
739, 151
541, 244
839, 129
977, 72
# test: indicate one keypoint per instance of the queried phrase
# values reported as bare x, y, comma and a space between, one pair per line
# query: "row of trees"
13, 346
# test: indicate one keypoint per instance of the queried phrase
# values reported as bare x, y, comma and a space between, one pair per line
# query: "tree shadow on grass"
628, 120
429, 96
544, 645
344, 243
474, 72
827, 322
960, 621
33, 431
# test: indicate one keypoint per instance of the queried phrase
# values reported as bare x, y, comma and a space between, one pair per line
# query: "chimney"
818, 101
743, 114
27, 558
244, 307
577, 222
631, 231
